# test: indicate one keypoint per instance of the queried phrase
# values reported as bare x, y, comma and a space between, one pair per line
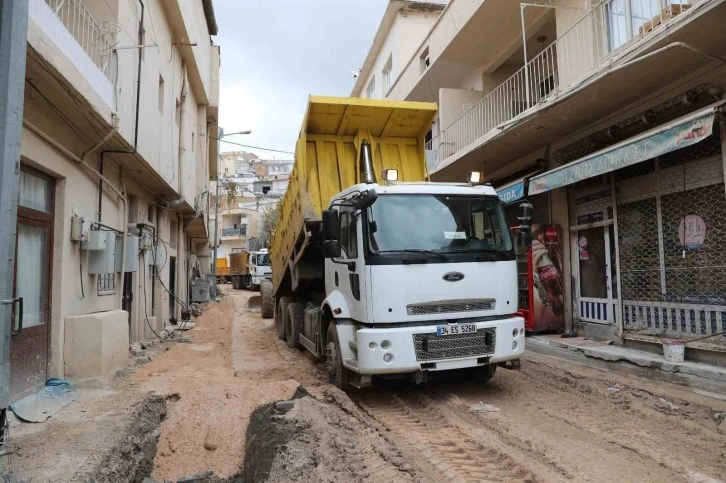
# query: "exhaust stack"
367, 175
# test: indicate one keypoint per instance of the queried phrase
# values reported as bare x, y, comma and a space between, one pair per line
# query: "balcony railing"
234, 231
604, 31
96, 39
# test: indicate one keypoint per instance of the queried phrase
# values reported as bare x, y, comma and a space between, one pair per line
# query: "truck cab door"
350, 275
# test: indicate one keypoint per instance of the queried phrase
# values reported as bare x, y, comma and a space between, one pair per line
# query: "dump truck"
223, 274
380, 272
249, 268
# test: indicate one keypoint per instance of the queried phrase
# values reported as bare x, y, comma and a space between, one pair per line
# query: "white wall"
404, 37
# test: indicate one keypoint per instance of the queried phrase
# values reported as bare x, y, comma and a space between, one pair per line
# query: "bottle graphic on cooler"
549, 277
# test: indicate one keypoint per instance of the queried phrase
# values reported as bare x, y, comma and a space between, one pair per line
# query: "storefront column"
619, 331
559, 214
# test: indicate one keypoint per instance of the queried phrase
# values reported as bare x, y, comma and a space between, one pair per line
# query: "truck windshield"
263, 259
438, 223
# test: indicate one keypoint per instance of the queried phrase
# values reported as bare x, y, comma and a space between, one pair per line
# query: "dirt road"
553, 421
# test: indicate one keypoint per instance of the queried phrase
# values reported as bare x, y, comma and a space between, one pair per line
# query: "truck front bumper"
256, 280
419, 348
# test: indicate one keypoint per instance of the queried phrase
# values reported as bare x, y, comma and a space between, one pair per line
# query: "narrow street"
553, 421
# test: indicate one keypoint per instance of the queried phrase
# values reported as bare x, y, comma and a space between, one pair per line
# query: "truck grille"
448, 307
433, 347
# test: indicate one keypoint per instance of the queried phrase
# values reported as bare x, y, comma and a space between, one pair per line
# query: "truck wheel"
281, 316
337, 374
293, 324
268, 301
483, 374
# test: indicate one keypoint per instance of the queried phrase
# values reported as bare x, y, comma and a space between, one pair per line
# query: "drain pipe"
123, 239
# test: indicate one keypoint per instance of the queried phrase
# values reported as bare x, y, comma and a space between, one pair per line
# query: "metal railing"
565, 62
234, 231
96, 39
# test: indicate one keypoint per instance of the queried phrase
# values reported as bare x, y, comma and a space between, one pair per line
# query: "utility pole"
13, 47
220, 136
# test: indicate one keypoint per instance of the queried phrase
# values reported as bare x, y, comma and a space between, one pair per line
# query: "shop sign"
625, 154
511, 193
695, 232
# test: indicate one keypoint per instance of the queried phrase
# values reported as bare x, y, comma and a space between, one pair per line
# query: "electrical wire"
253, 147
80, 267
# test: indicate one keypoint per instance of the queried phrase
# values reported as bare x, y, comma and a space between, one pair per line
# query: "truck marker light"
387, 357
385, 344
476, 177
390, 175
372, 345
337, 311
521, 331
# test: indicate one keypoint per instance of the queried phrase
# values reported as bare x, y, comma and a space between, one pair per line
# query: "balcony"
232, 233
86, 43
608, 35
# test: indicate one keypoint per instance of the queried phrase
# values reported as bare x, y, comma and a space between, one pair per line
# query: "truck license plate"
455, 329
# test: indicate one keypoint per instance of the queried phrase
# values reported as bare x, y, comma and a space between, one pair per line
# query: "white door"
596, 294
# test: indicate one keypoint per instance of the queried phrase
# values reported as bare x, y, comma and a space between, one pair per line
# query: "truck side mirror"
366, 199
331, 225
331, 249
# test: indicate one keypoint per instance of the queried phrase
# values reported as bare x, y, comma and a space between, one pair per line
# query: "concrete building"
272, 167
121, 100
235, 163
607, 117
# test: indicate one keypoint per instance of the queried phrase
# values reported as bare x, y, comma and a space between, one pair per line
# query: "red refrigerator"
541, 291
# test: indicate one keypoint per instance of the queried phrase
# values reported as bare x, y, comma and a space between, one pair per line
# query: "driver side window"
344, 228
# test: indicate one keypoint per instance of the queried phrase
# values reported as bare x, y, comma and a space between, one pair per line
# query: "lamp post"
221, 136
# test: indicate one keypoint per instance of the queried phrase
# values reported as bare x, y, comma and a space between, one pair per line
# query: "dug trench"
553, 421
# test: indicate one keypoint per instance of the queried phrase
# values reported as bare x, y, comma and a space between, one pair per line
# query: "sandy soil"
233, 365
557, 421
553, 421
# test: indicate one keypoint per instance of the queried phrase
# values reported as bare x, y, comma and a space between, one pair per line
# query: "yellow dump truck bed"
239, 263
327, 160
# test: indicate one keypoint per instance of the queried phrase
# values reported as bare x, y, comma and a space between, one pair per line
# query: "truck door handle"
18, 300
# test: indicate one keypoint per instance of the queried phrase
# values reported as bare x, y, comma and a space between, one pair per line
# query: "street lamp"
222, 135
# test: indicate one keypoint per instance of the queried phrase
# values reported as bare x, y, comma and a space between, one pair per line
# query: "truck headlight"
514, 345
515, 332
385, 344
387, 357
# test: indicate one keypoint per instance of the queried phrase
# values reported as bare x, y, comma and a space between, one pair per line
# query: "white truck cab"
260, 266
425, 280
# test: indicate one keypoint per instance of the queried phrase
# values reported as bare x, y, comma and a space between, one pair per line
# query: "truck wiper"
417, 250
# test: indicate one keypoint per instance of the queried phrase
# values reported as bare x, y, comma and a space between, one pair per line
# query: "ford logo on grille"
453, 276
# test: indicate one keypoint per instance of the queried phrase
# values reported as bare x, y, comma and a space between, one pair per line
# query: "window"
353, 237
173, 233
150, 213
344, 222
424, 60
622, 15
161, 95
371, 90
107, 284
388, 76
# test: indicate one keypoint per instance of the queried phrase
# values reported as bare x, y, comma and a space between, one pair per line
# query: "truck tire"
483, 374
293, 324
268, 301
281, 316
337, 374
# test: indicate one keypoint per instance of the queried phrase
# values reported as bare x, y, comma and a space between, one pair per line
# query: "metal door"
33, 261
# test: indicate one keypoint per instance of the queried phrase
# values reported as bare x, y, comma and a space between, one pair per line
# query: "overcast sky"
277, 52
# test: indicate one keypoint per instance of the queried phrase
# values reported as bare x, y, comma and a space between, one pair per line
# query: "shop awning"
685, 131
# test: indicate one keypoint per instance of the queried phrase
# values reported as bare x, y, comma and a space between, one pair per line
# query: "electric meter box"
102, 261
132, 253
97, 240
